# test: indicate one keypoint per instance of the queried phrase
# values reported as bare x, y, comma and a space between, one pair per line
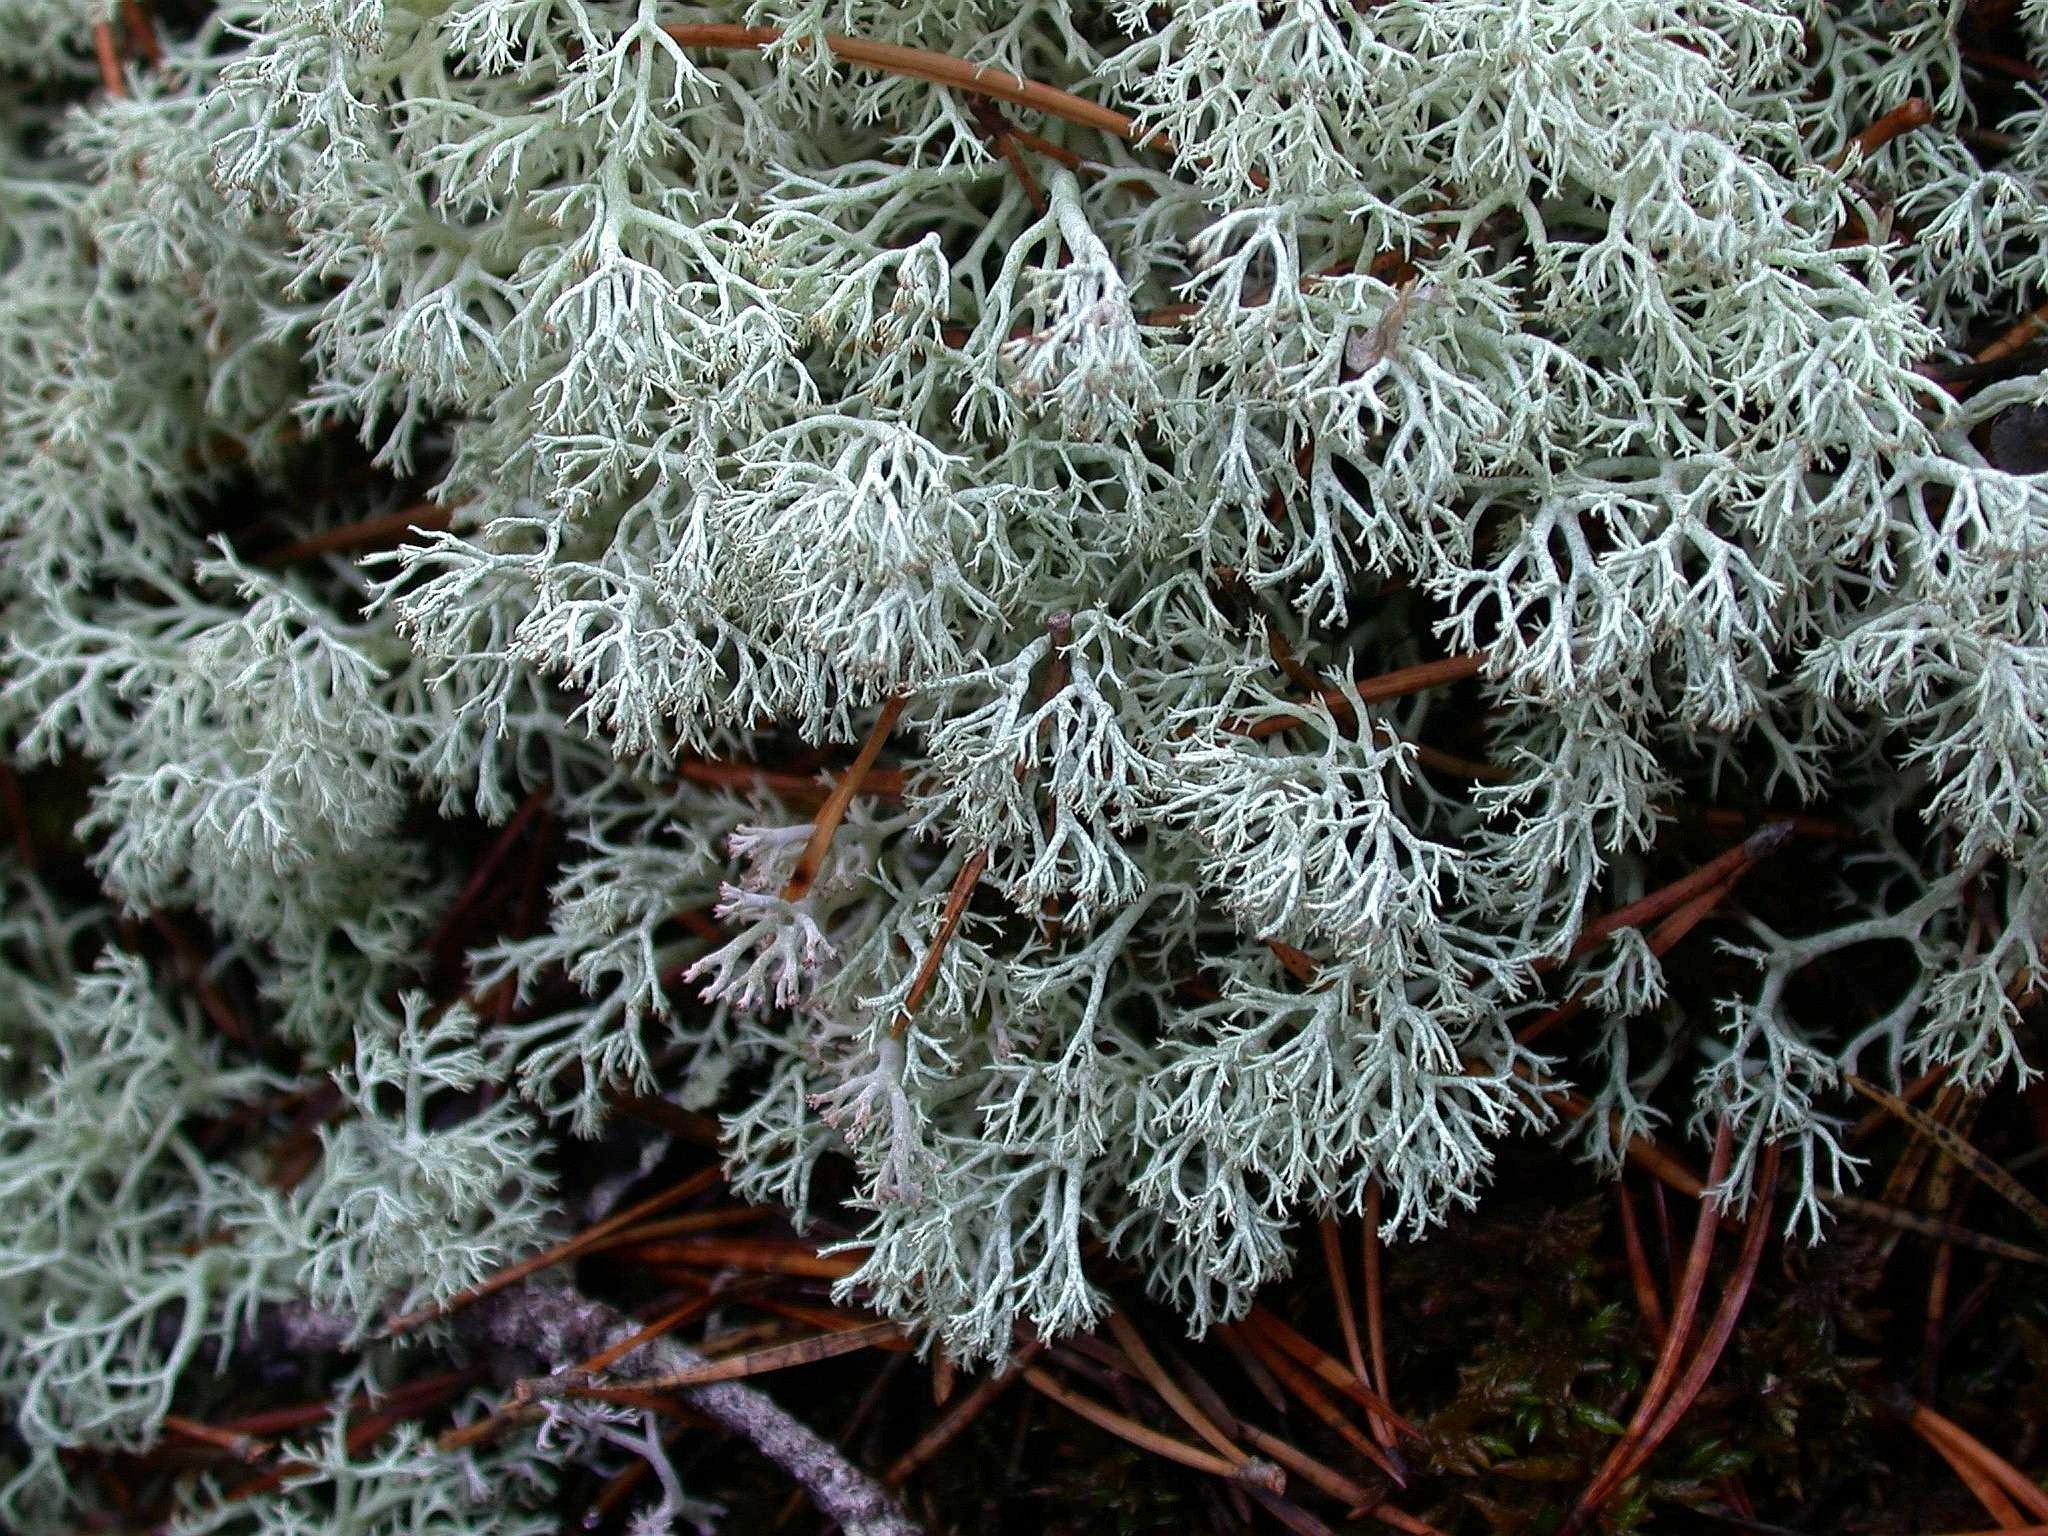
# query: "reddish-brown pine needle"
812, 860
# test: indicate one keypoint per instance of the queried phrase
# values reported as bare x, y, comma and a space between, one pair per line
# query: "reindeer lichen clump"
1294, 500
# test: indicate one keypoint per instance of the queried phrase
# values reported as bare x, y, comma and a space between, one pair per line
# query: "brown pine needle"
236, 1443
803, 788
833, 811
2030, 1495
1935, 1227
143, 31
1254, 1369
408, 1401
1641, 1150
1340, 1289
1913, 112
520, 1404
570, 1248
1352, 1495
109, 59
1376, 690
1014, 154
757, 1255
1133, 1345
1291, 1517
489, 865
1957, 1147
192, 966
1050, 150
754, 1362
829, 1319
1662, 939
668, 1322
1304, 1388
1325, 1366
1725, 869
370, 533
1983, 1488
682, 1226
2015, 336
1401, 1520
935, 69
969, 1407
1722, 1326
1876, 1119
15, 805
949, 920
1298, 963
1146, 1438
1648, 1302
1692, 1281
1375, 1316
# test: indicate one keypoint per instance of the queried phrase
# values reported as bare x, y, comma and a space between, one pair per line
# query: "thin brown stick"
833, 811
